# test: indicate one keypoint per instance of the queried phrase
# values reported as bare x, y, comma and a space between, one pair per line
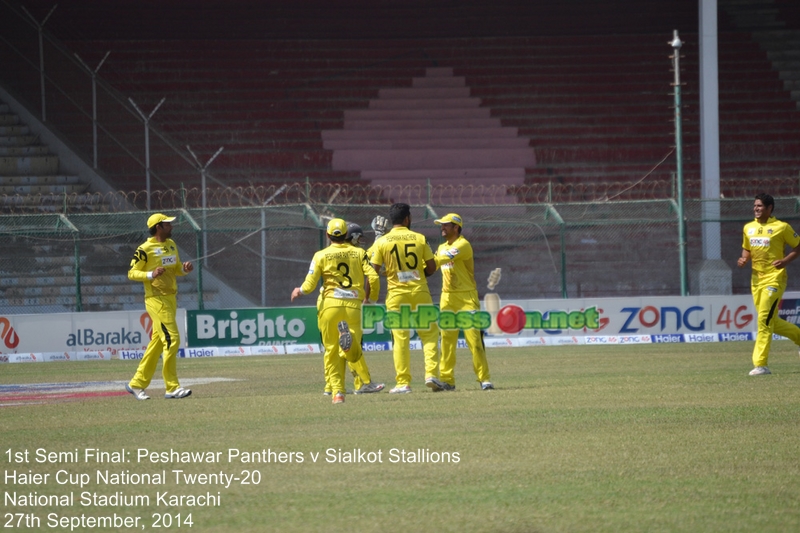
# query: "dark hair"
399, 212
766, 199
153, 229
337, 238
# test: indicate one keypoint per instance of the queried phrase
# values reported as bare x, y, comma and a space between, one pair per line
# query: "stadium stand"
588, 112
587, 98
29, 171
776, 27
591, 94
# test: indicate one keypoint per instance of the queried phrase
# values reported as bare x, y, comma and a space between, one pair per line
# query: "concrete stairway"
775, 27
29, 172
432, 131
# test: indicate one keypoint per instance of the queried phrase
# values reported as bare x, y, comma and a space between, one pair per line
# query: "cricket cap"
450, 218
337, 227
158, 218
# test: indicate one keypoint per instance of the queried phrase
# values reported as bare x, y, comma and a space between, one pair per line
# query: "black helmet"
355, 235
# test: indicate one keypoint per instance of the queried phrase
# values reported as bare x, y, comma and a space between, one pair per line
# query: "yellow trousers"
455, 302
334, 358
402, 337
767, 297
358, 369
165, 341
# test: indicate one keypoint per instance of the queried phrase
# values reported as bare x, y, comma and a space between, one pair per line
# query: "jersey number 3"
344, 268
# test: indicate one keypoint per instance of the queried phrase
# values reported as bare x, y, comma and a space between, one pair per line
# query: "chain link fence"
254, 256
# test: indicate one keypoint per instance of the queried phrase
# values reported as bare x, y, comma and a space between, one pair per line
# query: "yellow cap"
451, 218
158, 218
337, 227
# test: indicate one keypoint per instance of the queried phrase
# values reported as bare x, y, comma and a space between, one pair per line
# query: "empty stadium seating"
29, 171
589, 112
548, 97
44, 278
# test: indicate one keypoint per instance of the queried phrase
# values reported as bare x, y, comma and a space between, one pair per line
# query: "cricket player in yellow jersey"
156, 263
764, 242
362, 381
459, 293
408, 260
344, 271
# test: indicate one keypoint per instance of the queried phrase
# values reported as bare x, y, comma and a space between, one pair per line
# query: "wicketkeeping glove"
381, 225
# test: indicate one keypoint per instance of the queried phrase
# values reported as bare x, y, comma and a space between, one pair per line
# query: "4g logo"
739, 318
691, 319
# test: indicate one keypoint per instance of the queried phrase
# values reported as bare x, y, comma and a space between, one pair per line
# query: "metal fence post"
76, 237
146, 119
264, 256
40, 28
198, 241
93, 73
202, 168
551, 210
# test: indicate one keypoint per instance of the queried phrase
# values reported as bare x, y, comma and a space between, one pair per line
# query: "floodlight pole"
93, 73
146, 119
676, 65
202, 168
40, 27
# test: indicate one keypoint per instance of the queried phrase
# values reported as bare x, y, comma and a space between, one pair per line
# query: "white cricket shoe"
401, 389
139, 394
178, 394
434, 384
370, 387
760, 371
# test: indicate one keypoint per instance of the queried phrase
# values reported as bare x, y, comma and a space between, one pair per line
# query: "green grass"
627, 438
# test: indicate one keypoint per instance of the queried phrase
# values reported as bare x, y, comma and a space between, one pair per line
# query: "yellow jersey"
151, 255
767, 243
343, 269
403, 253
373, 278
457, 264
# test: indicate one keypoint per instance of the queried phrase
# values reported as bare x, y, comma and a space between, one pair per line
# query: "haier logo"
131, 354
668, 338
199, 352
728, 337
376, 346
701, 337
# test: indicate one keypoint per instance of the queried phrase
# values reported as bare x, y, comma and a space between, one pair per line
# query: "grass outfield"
591, 438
